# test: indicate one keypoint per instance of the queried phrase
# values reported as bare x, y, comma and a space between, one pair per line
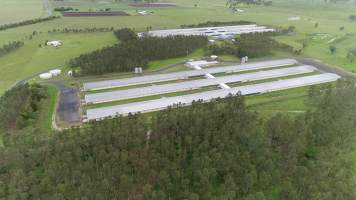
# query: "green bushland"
125, 34
217, 150
19, 106
136, 52
253, 45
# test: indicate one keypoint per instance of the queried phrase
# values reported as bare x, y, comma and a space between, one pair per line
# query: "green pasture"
19, 10
31, 60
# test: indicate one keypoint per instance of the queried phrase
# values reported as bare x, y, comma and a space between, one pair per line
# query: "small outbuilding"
214, 57
55, 43
200, 63
46, 76
55, 72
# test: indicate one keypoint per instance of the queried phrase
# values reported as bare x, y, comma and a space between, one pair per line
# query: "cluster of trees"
11, 46
235, 3
63, 9
82, 30
142, 1
352, 17
286, 31
136, 53
217, 150
125, 34
216, 23
351, 55
19, 106
27, 22
252, 45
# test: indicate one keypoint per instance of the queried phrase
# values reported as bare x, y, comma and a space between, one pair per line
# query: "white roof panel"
195, 84
185, 74
159, 104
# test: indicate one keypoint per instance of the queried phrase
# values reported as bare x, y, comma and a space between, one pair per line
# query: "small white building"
294, 18
55, 72
214, 57
212, 41
46, 76
200, 63
142, 12
55, 43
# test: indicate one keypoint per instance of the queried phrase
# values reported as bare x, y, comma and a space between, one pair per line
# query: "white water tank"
214, 57
55, 72
46, 76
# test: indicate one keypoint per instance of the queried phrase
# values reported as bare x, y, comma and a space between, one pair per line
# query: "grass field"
48, 109
31, 60
19, 10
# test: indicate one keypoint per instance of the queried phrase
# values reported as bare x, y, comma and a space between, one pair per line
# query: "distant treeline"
18, 106
215, 23
235, 3
252, 45
27, 22
82, 30
11, 46
137, 52
63, 9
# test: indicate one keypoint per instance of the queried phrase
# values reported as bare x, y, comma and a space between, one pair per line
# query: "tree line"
217, 23
82, 30
127, 55
11, 46
27, 22
217, 150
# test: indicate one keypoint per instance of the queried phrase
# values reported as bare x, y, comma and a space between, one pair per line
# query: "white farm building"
55, 43
220, 33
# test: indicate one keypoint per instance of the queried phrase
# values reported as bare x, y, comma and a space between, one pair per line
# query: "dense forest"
217, 150
18, 106
253, 45
136, 52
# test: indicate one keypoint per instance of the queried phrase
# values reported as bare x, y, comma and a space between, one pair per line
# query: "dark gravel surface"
68, 110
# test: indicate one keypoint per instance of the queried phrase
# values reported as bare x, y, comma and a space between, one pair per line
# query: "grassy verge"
48, 109
288, 101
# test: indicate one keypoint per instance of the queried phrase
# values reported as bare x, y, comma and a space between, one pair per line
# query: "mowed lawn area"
31, 60
19, 10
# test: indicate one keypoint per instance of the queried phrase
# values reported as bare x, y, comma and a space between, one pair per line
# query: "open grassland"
19, 10
31, 59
